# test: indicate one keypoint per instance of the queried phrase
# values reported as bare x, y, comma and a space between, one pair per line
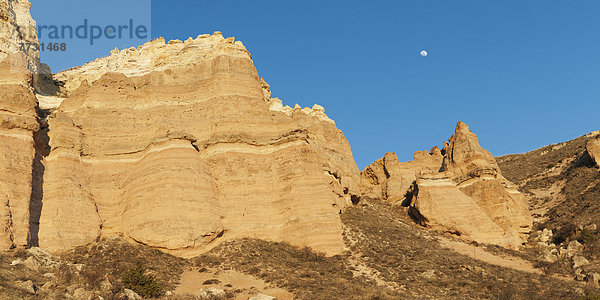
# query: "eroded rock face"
459, 189
179, 146
389, 179
19, 58
18, 123
18, 34
593, 150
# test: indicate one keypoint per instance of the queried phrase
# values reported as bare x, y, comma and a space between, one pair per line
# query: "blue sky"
522, 74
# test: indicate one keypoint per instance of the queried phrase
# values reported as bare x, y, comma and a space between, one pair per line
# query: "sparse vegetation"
307, 274
562, 266
590, 294
587, 237
521, 167
568, 193
143, 284
112, 258
564, 233
389, 258
576, 174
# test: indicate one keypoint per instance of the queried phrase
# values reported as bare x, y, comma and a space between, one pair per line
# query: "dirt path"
511, 262
505, 261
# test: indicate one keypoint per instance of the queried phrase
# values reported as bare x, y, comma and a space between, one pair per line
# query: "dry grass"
402, 254
10, 275
577, 172
388, 257
307, 274
580, 181
519, 167
111, 259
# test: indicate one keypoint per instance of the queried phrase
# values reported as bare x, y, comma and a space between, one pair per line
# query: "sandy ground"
192, 282
475, 252
505, 261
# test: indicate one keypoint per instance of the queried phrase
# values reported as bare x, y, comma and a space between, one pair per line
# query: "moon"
424, 53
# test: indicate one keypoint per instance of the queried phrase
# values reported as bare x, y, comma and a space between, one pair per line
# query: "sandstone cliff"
459, 189
19, 59
389, 179
179, 146
18, 121
18, 34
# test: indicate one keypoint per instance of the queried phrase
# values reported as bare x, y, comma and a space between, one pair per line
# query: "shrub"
564, 233
144, 285
590, 294
587, 237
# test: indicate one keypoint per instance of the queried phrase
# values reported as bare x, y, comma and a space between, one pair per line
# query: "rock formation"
593, 150
18, 121
459, 189
18, 34
179, 145
389, 179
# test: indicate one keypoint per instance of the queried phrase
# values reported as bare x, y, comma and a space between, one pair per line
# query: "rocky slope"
459, 189
388, 257
562, 185
178, 146
561, 181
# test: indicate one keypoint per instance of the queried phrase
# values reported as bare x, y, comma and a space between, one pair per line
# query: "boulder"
593, 278
440, 205
545, 235
212, 294
574, 246
579, 261
262, 297
131, 295
593, 150
27, 286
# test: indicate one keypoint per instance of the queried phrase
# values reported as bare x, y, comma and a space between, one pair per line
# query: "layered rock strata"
389, 179
18, 124
19, 58
18, 34
178, 146
459, 189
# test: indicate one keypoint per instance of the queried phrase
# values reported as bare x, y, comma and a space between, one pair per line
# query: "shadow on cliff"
42, 149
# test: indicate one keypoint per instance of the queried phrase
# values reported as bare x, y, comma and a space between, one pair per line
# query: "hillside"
561, 181
386, 257
168, 171
562, 184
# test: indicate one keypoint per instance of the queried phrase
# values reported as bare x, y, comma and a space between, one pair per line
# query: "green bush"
143, 284
587, 237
